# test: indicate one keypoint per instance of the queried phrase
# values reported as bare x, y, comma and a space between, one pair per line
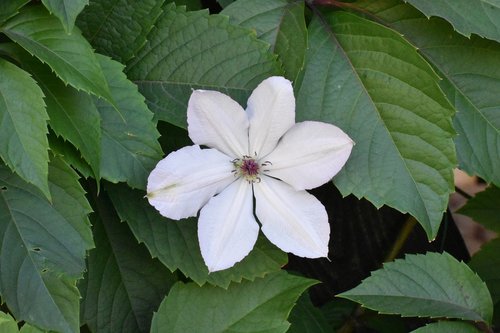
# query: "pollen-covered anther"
248, 168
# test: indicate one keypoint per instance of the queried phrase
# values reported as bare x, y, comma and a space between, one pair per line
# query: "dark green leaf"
306, 318
484, 208
66, 11
258, 306
10, 8
486, 263
431, 285
23, 126
481, 17
70, 56
175, 243
129, 145
281, 23
118, 28
43, 246
67, 152
447, 327
370, 82
123, 284
189, 50
470, 69
73, 114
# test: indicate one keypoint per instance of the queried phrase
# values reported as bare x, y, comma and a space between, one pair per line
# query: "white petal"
271, 110
186, 179
227, 229
309, 154
217, 121
295, 221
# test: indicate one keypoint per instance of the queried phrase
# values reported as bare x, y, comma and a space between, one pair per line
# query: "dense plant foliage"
94, 93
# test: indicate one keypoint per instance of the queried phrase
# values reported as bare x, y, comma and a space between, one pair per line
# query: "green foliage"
485, 208
261, 306
7, 323
368, 80
10, 8
431, 285
306, 318
447, 327
66, 11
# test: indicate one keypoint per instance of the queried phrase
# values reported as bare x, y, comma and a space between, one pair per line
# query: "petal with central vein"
309, 154
295, 221
217, 121
227, 230
271, 111
186, 179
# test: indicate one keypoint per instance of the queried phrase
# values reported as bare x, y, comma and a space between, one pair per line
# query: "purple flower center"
249, 167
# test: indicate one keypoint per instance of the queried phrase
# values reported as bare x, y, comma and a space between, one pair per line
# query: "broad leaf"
259, 306
431, 285
70, 56
175, 243
123, 285
129, 145
7, 323
66, 11
43, 246
486, 263
73, 114
471, 86
370, 82
306, 318
484, 208
118, 28
189, 50
447, 327
481, 17
23, 126
10, 8
281, 23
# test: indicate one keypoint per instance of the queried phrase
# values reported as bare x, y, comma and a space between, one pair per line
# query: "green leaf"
23, 126
306, 318
190, 50
69, 154
7, 323
484, 208
123, 285
481, 17
43, 247
471, 85
73, 114
447, 327
486, 263
27, 328
370, 82
259, 306
129, 146
10, 8
175, 243
118, 28
66, 11
281, 23
431, 285
70, 56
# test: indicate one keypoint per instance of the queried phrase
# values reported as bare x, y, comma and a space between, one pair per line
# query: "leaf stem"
401, 239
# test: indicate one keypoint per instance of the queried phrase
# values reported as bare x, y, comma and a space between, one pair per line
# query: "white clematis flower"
259, 153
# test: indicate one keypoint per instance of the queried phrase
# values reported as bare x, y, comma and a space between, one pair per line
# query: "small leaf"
129, 145
118, 28
484, 208
370, 82
23, 126
447, 327
281, 23
66, 11
10, 8
306, 318
70, 56
481, 17
432, 285
43, 246
175, 243
123, 285
7, 323
191, 50
259, 306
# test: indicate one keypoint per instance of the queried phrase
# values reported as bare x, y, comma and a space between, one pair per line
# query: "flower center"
249, 168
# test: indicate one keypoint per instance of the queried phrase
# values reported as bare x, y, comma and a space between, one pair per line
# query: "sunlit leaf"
66, 11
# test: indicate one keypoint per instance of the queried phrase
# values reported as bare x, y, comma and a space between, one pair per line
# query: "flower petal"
186, 179
295, 221
217, 121
309, 154
227, 229
271, 111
